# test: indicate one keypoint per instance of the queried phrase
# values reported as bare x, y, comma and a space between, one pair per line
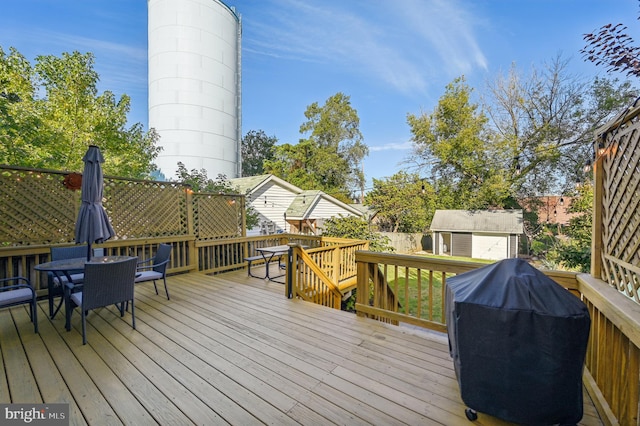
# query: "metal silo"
194, 85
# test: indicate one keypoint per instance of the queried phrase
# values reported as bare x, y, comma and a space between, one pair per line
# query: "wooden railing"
405, 288
613, 355
188, 254
322, 275
215, 256
309, 281
612, 365
21, 261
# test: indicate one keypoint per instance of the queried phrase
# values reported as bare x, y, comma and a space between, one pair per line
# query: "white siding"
277, 200
324, 209
490, 246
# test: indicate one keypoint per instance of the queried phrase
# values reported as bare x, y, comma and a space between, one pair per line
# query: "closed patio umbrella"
93, 224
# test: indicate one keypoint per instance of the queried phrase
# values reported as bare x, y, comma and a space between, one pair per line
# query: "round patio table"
63, 270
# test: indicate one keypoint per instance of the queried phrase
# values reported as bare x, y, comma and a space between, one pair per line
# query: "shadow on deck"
229, 349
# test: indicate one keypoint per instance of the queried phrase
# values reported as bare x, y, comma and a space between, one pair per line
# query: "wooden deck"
227, 349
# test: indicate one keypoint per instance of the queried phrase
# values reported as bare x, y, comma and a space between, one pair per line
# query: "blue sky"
391, 57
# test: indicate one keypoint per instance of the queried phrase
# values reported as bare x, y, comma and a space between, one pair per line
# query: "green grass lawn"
425, 296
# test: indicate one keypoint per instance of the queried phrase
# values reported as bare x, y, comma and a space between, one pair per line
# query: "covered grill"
518, 342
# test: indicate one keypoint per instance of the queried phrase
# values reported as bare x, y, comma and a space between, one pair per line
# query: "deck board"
229, 349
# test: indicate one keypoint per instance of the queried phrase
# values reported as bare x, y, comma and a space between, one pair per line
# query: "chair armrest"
162, 263
26, 283
144, 268
16, 287
74, 287
155, 265
142, 262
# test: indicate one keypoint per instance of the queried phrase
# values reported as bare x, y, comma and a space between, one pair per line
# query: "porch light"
561, 201
587, 166
601, 148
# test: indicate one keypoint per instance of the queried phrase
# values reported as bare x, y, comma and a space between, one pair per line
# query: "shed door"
490, 246
461, 245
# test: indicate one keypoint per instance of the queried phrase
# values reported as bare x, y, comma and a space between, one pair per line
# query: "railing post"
289, 286
598, 199
194, 256
362, 290
337, 254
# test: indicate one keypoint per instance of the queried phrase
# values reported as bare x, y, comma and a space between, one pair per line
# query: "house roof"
251, 184
303, 204
495, 221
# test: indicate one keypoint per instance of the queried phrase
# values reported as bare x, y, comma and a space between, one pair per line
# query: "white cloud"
392, 146
404, 43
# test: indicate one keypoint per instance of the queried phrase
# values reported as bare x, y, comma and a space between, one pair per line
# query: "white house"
481, 234
284, 207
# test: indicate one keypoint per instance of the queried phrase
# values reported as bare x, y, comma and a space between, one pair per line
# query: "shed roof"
495, 221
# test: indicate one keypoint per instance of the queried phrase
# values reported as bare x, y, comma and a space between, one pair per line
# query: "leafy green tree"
52, 111
575, 252
330, 158
358, 229
454, 143
544, 122
256, 148
19, 119
200, 182
403, 202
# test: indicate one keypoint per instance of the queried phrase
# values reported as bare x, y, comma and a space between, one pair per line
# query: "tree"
330, 158
256, 148
575, 252
358, 229
454, 144
403, 202
19, 119
51, 112
200, 182
545, 121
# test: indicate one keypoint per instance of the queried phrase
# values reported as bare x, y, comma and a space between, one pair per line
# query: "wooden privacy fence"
38, 209
616, 236
612, 290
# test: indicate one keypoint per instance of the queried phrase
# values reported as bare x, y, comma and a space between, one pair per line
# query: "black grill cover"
518, 343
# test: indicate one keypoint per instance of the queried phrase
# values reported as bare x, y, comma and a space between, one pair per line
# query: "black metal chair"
157, 268
105, 284
21, 293
55, 283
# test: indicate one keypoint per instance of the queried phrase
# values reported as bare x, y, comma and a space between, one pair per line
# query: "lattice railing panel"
217, 216
36, 208
620, 209
139, 209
